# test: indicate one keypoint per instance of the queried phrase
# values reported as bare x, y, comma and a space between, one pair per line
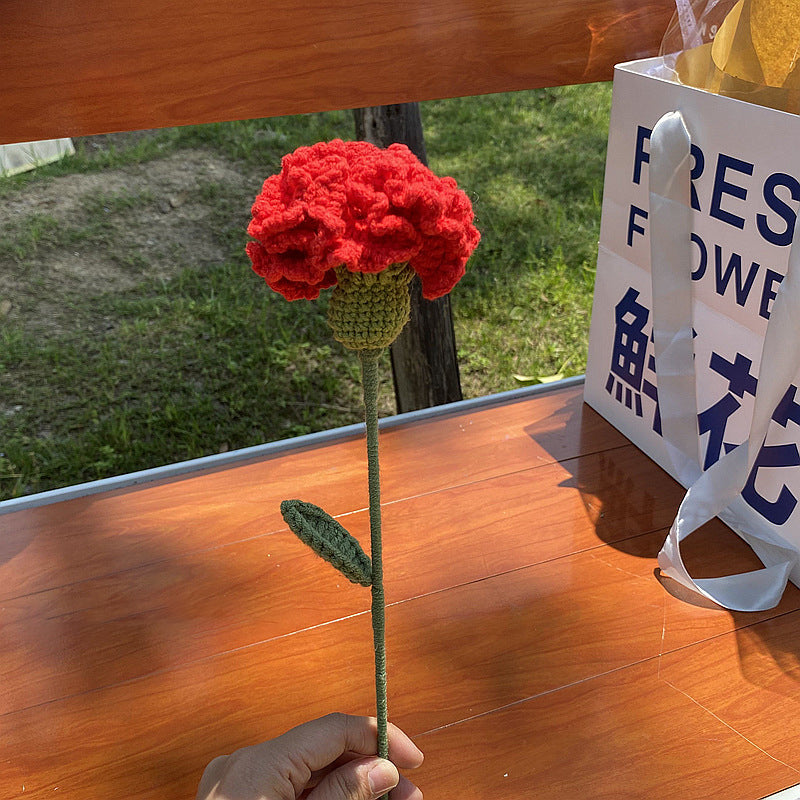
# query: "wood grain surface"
95, 66
626, 734
533, 650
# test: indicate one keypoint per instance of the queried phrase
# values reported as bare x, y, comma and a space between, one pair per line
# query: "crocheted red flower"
352, 204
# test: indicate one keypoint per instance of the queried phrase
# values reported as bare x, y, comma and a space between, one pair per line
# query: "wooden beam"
95, 66
424, 358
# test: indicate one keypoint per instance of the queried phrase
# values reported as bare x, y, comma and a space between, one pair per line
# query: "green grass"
202, 364
535, 173
96, 381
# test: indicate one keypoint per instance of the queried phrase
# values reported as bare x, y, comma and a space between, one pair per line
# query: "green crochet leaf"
328, 539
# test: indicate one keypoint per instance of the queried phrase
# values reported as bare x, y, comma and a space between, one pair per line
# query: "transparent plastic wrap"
745, 49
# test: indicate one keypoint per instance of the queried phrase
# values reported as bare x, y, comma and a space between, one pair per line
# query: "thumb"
363, 779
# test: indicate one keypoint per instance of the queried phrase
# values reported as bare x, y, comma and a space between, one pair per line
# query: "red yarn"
352, 204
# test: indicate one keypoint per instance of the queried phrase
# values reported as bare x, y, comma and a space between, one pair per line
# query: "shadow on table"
627, 496
98, 616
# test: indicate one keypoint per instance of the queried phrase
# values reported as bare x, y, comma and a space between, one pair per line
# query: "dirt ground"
109, 230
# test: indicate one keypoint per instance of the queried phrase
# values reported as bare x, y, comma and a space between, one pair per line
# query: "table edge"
221, 460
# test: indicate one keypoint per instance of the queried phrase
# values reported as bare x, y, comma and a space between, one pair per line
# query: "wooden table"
533, 652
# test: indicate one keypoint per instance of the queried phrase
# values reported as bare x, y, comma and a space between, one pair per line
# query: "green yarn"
332, 542
328, 539
369, 376
368, 310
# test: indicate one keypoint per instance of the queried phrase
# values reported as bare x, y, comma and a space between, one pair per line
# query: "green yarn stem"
369, 376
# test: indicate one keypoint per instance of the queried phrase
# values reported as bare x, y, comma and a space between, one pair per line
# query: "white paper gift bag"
694, 349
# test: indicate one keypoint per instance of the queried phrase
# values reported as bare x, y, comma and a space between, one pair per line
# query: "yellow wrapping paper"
752, 57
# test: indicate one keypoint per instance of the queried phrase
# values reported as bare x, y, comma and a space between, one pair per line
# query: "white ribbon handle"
671, 266
711, 492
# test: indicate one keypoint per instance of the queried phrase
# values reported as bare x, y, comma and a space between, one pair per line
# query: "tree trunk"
424, 362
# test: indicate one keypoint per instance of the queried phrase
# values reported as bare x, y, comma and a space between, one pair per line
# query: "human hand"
332, 758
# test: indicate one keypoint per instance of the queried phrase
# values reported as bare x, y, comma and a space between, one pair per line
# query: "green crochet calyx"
368, 310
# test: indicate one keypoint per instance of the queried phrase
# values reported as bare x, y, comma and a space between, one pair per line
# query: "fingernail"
382, 777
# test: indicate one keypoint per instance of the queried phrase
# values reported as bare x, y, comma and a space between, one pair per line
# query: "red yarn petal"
352, 204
